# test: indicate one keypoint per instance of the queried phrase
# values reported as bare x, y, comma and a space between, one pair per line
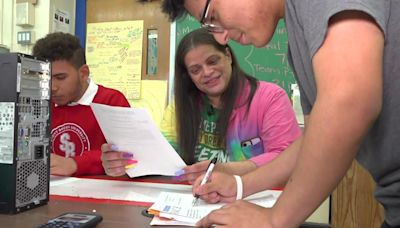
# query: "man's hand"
115, 162
62, 166
238, 214
220, 188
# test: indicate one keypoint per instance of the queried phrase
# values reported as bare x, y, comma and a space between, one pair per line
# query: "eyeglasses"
213, 28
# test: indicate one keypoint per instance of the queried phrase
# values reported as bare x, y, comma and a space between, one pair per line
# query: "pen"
210, 168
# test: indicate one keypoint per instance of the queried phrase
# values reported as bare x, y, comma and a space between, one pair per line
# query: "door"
353, 203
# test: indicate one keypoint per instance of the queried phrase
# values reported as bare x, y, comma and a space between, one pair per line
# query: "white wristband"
239, 187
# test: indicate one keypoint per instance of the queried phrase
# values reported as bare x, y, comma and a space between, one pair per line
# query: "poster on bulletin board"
114, 55
61, 21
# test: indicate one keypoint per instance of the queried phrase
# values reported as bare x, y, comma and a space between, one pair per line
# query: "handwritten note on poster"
114, 55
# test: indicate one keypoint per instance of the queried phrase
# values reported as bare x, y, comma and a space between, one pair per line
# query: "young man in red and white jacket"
76, 135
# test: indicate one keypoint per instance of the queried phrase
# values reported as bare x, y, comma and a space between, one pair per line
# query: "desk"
115, 213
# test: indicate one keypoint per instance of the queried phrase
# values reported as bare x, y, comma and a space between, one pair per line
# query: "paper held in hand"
176, 208
133, 130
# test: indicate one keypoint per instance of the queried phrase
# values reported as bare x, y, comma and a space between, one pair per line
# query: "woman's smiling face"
209, 69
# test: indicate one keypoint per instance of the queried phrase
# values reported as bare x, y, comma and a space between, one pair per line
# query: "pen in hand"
210, 168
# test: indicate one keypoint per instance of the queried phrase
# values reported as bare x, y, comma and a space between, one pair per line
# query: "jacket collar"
88, 96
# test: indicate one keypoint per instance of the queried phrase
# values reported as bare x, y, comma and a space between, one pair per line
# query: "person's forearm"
237, 168
273, 174
326, 155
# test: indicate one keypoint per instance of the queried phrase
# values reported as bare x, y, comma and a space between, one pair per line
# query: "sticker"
19, 77
7, 110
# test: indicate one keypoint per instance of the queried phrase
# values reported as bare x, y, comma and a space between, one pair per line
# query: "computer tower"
25, 100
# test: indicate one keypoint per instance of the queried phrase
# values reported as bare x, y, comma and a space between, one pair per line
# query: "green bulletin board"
268, 63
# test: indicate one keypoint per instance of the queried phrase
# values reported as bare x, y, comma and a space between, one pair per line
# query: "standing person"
76, 135
345, 58
221, 112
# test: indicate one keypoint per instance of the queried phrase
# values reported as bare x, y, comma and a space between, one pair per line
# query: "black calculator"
74, 220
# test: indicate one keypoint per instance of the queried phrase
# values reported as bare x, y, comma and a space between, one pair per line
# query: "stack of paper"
177, 209
140, 192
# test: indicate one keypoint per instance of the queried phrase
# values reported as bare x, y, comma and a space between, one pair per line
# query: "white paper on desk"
112, 189
61, 180
132, 130
158, 221
178, 206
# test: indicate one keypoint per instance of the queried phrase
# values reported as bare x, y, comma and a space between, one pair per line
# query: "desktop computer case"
25, 102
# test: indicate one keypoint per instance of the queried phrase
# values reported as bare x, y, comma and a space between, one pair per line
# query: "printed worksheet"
133, 130
179, 208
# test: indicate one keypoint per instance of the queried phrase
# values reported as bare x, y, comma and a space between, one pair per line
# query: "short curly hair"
60, 46
174, 8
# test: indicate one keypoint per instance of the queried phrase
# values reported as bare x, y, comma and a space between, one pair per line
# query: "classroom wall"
153, 87
68, 6
43, 14
6, 22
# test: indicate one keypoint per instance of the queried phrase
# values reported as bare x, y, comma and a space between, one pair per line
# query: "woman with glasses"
221, 112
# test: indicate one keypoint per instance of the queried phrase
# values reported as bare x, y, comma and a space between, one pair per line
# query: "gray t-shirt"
307, 22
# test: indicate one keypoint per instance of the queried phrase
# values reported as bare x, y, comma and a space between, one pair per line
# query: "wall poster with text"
114, 55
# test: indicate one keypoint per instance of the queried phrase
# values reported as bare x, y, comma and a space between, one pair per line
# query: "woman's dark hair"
189, 102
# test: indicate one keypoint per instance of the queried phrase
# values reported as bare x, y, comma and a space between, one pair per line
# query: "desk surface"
114, 215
